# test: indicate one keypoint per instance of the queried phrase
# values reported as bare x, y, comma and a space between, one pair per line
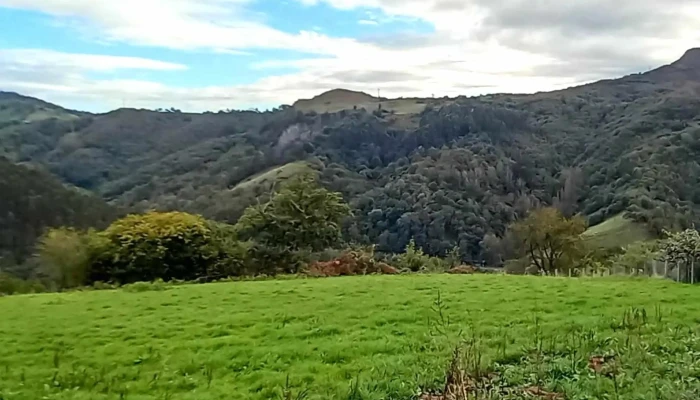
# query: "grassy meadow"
371, 337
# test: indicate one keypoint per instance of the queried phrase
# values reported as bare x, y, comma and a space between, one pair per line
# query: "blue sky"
216, 54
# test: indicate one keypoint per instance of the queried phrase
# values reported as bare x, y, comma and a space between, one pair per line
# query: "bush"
156, 245
233, 259
230, 256
65, 257
12, 285
414, 260
358, 261
274, 260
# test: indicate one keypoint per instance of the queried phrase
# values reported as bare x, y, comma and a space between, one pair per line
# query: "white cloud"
183, 24
478, 46
42, 57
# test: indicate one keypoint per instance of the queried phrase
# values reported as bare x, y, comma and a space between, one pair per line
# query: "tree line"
284, 235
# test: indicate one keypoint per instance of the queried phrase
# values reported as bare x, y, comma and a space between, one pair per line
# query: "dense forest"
451, 175
33, 200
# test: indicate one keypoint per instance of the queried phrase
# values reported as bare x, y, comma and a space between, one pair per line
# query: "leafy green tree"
303, 215
550, 240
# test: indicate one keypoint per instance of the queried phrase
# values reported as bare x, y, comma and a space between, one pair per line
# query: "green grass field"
373, 337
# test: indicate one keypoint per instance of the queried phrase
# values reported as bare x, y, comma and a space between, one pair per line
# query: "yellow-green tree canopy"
173, 245
549, 239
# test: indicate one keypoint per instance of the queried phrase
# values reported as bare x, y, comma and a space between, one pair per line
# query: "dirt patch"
463, 270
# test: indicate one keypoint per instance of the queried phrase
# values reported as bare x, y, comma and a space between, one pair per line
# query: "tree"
496, 250
682, 248
549, 239
567, 198
302, 216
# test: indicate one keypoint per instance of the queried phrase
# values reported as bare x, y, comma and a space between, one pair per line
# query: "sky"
197, 55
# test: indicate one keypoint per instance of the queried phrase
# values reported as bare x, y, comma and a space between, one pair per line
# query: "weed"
288, 392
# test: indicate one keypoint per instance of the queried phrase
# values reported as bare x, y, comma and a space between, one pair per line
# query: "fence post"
666, 269
692, 272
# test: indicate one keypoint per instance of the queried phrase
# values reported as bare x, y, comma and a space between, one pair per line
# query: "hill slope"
32, 201
447, 172
617, 231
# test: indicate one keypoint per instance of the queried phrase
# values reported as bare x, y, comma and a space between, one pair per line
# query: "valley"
445, 172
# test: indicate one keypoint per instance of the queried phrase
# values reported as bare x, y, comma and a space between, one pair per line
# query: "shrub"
414, 259
12, 285
232, 259
273, 260
65, 256
230, 256
357, 261
156, 245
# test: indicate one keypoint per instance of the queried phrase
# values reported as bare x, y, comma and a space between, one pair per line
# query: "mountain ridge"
445, 172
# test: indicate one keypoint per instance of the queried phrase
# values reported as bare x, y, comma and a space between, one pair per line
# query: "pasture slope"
372, 337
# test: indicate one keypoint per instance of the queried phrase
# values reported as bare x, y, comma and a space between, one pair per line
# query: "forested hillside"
31, 201
446, 172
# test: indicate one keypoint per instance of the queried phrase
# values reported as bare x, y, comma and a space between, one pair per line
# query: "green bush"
12, 285
230, 257
274, 260
156, 245
65, 256
415, 260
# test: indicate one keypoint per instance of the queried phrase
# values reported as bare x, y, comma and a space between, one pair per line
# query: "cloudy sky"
214, 54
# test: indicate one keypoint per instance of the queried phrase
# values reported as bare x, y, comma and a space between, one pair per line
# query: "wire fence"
684, 272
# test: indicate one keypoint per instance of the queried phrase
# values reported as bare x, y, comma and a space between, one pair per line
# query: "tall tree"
568, 197
303, 215
549, 239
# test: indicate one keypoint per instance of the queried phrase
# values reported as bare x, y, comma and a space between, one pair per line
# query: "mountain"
446, 172
33, 201
336, 100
